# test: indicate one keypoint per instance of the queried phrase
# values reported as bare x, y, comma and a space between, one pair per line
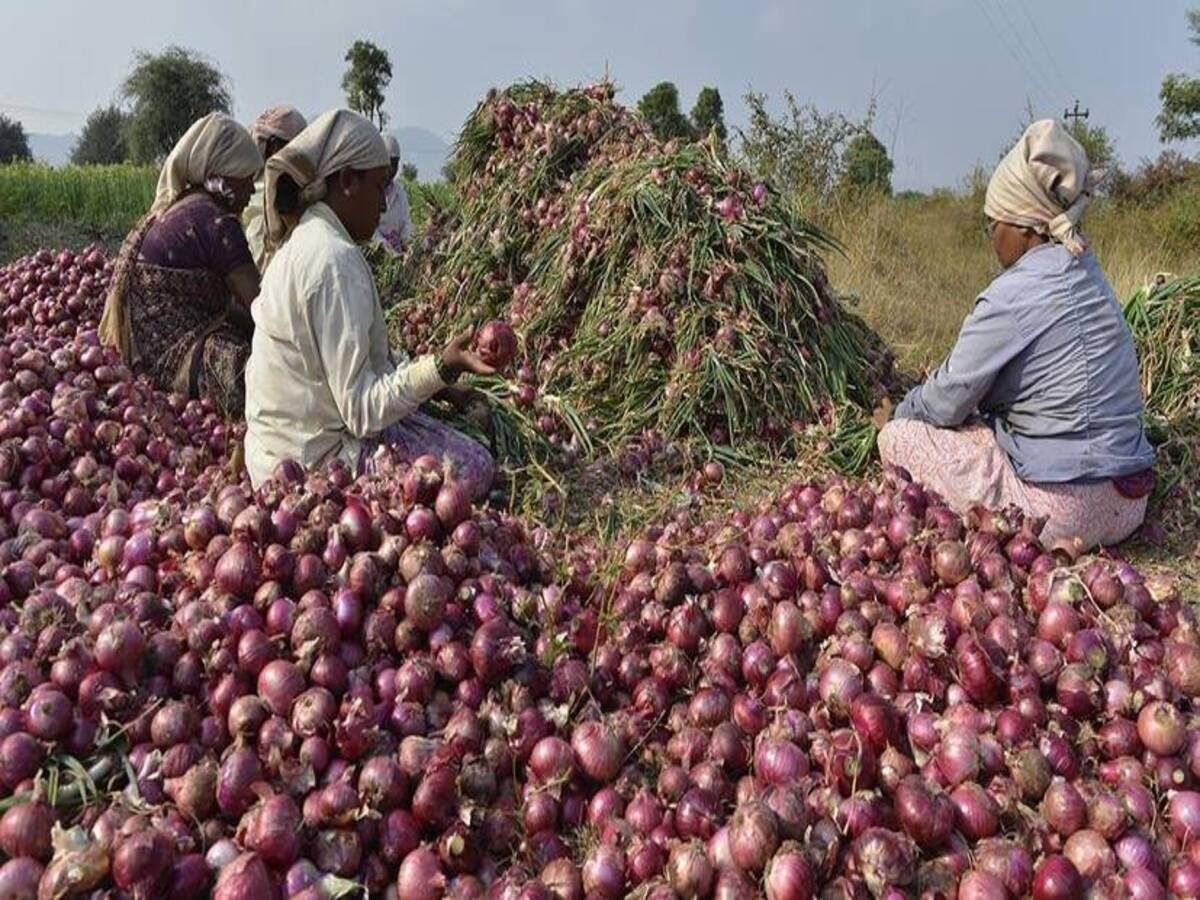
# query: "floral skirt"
966, 467
467, 462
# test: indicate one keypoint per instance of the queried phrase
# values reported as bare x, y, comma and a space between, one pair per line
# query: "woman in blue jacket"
1038, 404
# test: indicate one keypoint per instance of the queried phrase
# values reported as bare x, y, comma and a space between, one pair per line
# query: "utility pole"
1076, 115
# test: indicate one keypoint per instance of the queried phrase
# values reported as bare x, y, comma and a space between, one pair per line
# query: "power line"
1035, 64
1011, 52
1050, 54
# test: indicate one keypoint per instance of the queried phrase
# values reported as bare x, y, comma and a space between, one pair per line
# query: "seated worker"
395, 224
1039, 403
271, 131
322, 381
178, 309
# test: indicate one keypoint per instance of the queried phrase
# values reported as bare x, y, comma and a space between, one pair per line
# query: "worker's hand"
458, 357
882, 413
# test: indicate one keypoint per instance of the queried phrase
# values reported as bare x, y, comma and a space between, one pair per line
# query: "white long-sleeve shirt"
255, 224
321, 376
395, 224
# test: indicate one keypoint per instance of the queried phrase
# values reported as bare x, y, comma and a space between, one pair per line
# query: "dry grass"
914, 266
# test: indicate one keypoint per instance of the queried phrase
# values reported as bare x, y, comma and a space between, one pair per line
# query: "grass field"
43, 206
915, 266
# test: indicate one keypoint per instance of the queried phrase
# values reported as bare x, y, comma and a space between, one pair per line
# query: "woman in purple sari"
178, 310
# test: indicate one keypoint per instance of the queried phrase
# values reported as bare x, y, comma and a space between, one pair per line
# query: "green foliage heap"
655, 287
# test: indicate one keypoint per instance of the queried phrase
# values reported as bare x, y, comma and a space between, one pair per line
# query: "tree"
409, 171
1179, 119
1096, 143
102, 141
802, 151
14, 145
167, 92
708, 114
364, 82
867, 165
660, 108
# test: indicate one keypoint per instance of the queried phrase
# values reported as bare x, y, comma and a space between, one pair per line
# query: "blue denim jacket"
1046, 358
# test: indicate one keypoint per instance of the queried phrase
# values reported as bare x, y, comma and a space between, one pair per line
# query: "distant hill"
54, 149
419, 146
423, 149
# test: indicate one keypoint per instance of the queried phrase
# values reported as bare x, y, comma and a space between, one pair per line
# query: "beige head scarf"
1045, 182
215, 146
283, 122
336, 140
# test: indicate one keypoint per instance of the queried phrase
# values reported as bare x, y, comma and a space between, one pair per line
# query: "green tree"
167, 92
708, 114
14, 145
369, 74
1179, 119
102, 141
867, 165
1096, 143
409, 171
660, 108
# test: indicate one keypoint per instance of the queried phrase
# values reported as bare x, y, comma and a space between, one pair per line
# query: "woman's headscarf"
214, 147
1045, 182
336, 140
393, 146
282, 122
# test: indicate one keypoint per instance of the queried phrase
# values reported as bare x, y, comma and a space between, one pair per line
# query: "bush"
1155, 179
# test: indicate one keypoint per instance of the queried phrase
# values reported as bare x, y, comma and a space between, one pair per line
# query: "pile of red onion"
333, 685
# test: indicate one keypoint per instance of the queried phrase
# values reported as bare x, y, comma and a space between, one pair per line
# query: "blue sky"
952, 77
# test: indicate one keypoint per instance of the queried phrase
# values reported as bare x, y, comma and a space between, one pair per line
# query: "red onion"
1090, 854
1008, 862
1161, 728
19, 878
420, 876
977, 813
1064, 809
753, 836
840, 682
927, 817
25, 831
696, 815
689, 871
1056, 878
1183, 813
496, 343
604, 873
884, 858
279, 684
951, 562
599, 750
789, 877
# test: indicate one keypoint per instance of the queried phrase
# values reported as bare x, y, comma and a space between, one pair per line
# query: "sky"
952, 78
